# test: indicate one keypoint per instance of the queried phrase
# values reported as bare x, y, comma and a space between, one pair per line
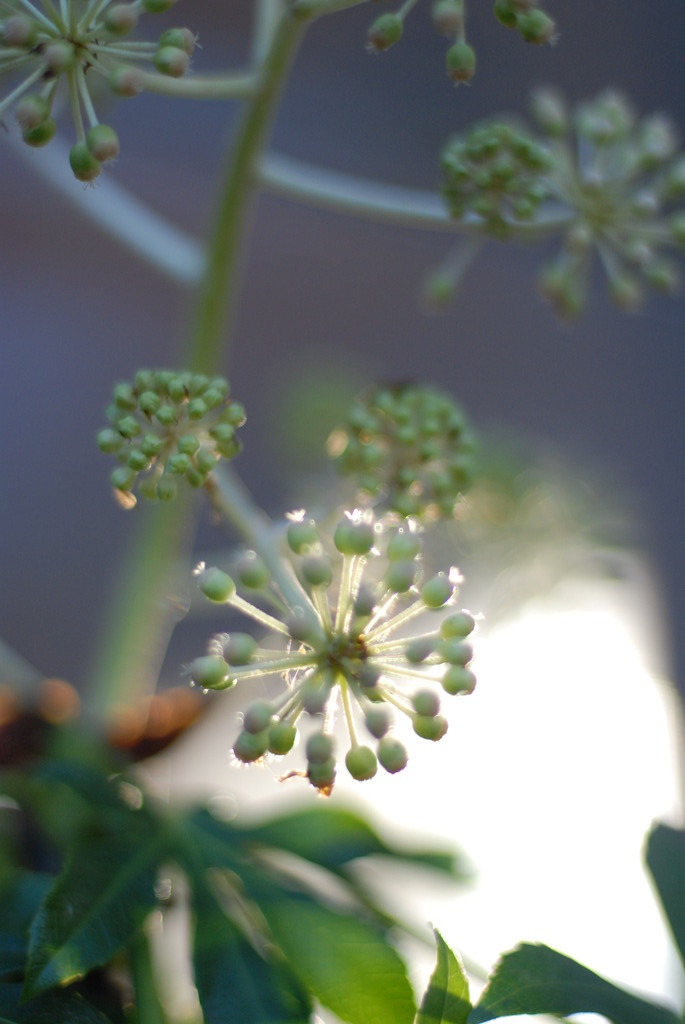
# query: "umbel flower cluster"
168, 426
77, 42
603, 179
409, 449
364, 633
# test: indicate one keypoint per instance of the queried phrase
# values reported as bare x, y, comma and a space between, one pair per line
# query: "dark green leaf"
234, 982
666, 861
346, 962
20, 898
446, 1000
63, 1007
537, 979
101, 897
333, 837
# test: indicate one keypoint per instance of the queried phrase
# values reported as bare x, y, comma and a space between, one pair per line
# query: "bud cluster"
70, 42
498, 174
409, 448
346, 646
167, 426
600, 177
532, 23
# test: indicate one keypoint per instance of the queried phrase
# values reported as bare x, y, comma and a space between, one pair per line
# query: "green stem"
216, 301
149, 1009
309, 9
202, 87
140, 622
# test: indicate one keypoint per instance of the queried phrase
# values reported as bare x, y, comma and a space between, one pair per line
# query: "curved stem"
202, 87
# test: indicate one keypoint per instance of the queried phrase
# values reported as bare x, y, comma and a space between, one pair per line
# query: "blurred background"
593, 412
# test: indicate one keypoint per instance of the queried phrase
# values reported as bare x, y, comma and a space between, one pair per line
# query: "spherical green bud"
151, 445
301, 626
426, 703
403, 545
58, 56
83, 164
109, 441
455, 651
430, 727
448, 16
282, 736
460, 62
103, 142
138, 460
206, 460
535, 26
392, 754
122, 478
187, 444
419, 649
361, 763
216, 585
663, 276
354, 537
126, 82
378, 720
120, 19
505, 12
302, 535
322, 774
31, 111
319, 747
210, 672
258, 715
19, 31
368, 675
222, 433
626, 292
178, 463
385, 31
250, 746
314, 695
365, 602
41, 134
460, 624
181, 38
167, 488
252, 570
399, 576
317, 570
172, 61
239, 648
458, 679
437, 591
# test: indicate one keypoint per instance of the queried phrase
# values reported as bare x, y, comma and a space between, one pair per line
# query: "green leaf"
101, 897
332, 837
51, 1008
346, 962
537, 979
233, 981
666, 862
20, 898
446, 1000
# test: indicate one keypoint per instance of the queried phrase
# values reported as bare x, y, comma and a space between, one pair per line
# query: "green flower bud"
151, 445
252, 570
365, 602
455, 651
361, 763
210, 672
322, 775
58, 56
282, 736
257, 716
19, 31
354, 537
126, 82
430, 727
419, 649
535, 26
109, 441
120, 19
458, 679
178, 464
460, 624
206, 461
250, 746
239, 648
103, 142
377, 719
31, 111
437, 591
392, 754
138, 460
460, 62
448, 16
400, 576
122, 478
216, 585
172, 61
180, 38
302, 535
315, 694
317, 570
41, 134
385, 31
368, 675
506, 12
426, 703
319, 748
167, 488
83, 164
403, 545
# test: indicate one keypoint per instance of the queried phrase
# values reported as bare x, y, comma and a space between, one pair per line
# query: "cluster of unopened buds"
167, 426
449, 18
364, 634
601, 178
76, 42
409, 449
